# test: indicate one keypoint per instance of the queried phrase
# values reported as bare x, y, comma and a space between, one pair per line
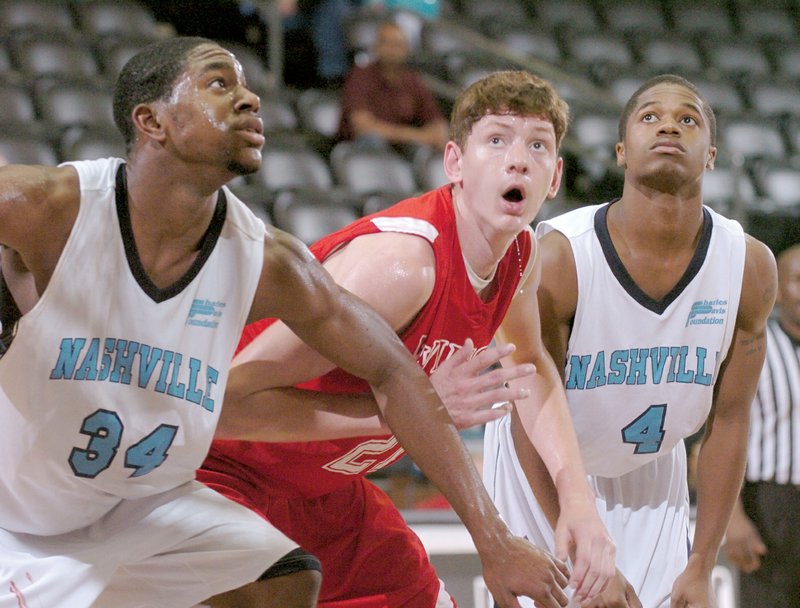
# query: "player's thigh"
200, 544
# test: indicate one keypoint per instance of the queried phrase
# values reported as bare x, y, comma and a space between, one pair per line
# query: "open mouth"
514, 195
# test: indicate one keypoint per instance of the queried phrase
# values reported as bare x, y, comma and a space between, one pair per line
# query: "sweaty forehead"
533, 122
669, 92
205, 55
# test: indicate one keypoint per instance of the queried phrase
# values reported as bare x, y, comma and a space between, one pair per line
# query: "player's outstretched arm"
290, 414
351, 335
723, 451
544, 420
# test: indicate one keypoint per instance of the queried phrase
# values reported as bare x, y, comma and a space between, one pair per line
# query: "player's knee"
298, 589
295, 579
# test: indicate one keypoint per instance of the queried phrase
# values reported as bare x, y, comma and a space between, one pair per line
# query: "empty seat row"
94, 18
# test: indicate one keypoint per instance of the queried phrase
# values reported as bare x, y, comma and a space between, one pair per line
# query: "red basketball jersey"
453, 313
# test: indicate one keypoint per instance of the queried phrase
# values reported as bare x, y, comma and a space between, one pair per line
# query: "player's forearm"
423, 427
720, 469
546, 420
289, 414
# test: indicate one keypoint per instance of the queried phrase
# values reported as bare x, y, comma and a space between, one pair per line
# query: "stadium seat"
308, 217
25, 147
567, 14
770, 98
669, 54
79, 143
786, 57
38, 54
525, 40
780, 184
365, 172
68, 103
16, 103
45, 15
751, 138
113, 52
702, 19
732, 58
292, 167
100, 18
773, 23
428, 165
319, 112
631, 16
727, 186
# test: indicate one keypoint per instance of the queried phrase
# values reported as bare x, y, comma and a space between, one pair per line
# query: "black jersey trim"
209, 241
627, 282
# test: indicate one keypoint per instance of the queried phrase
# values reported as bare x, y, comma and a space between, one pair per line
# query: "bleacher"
59, 58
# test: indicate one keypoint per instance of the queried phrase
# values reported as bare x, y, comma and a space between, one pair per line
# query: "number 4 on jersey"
647, 431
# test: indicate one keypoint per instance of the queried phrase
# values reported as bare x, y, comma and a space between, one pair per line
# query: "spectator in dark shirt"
387, 102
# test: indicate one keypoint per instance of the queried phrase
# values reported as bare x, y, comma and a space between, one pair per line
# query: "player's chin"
246, 163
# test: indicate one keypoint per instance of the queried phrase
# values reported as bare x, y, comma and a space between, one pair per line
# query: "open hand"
469, 391
518, 568
618, 594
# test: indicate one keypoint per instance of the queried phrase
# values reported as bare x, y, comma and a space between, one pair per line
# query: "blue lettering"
673, 357
148, 359
618, 360
598, 377
105, 359
161, 385
67, 358
578, 366
115, 360
685, 377
192, 394
212, 376
637, 373
88, 368
658, 360
175, 389
702, 377
126, 351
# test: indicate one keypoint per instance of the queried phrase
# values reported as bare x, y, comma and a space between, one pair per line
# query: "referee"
763, 538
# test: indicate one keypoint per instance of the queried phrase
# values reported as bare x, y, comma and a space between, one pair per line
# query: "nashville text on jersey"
121, 360
640, 366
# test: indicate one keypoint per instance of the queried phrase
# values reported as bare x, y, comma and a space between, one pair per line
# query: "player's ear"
555, 183
712, 157
147, 121
619, 148
452, 162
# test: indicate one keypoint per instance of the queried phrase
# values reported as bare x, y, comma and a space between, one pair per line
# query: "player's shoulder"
759, 282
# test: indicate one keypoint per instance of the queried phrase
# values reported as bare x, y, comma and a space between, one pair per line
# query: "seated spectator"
387, 102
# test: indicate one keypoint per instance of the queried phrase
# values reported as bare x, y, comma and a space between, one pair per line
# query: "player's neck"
664, 222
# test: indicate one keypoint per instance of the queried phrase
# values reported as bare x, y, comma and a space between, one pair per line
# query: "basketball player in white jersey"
656, 307
146, 270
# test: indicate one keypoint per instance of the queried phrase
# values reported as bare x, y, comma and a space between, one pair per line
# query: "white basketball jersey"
640, 373
112, 387
639, 378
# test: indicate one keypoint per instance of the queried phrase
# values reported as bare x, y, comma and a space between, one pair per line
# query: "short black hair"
708, 112
150, 75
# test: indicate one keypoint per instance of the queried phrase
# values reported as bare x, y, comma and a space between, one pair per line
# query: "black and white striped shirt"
774, 447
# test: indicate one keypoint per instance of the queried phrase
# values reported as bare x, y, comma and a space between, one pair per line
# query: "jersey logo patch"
707, 312
205, 313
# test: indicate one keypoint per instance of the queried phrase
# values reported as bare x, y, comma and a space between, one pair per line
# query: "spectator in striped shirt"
763, 539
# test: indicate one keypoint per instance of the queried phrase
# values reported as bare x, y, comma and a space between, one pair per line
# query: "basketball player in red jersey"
442, 268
